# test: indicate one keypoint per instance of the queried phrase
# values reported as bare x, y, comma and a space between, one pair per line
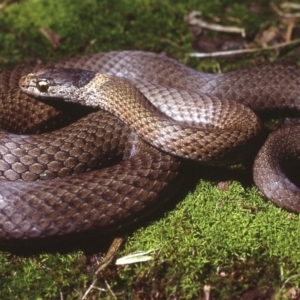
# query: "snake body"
122, 99
110, 198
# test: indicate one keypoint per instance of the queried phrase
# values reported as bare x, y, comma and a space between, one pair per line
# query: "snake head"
55, 82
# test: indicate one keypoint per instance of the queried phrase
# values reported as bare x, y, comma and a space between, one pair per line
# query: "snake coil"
213, 111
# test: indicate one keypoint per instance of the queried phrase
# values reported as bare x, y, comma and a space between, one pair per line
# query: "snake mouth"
24, 83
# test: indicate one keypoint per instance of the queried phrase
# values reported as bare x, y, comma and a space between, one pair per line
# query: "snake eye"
42, 86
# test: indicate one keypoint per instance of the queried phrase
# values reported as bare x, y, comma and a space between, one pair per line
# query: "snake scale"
191, 115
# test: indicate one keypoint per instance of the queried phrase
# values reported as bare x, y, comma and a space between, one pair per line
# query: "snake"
149, 113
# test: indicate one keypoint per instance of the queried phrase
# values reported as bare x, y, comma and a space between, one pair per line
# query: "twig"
206, 291
92, 286
193, 19
89, 289
4, 3
114, 247
285, 282
290, 5
243, 51
283, 14
109, 288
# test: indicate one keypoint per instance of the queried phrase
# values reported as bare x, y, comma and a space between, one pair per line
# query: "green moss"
213, 232
90, 26
41, 277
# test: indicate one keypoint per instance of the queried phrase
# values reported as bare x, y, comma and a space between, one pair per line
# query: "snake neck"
122, 99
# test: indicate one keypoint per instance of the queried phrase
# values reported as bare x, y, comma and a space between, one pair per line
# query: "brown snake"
114, 196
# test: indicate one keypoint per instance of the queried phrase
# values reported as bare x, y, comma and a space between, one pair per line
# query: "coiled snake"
192, 115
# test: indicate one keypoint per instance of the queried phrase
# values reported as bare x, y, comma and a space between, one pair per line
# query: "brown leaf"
51, 36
